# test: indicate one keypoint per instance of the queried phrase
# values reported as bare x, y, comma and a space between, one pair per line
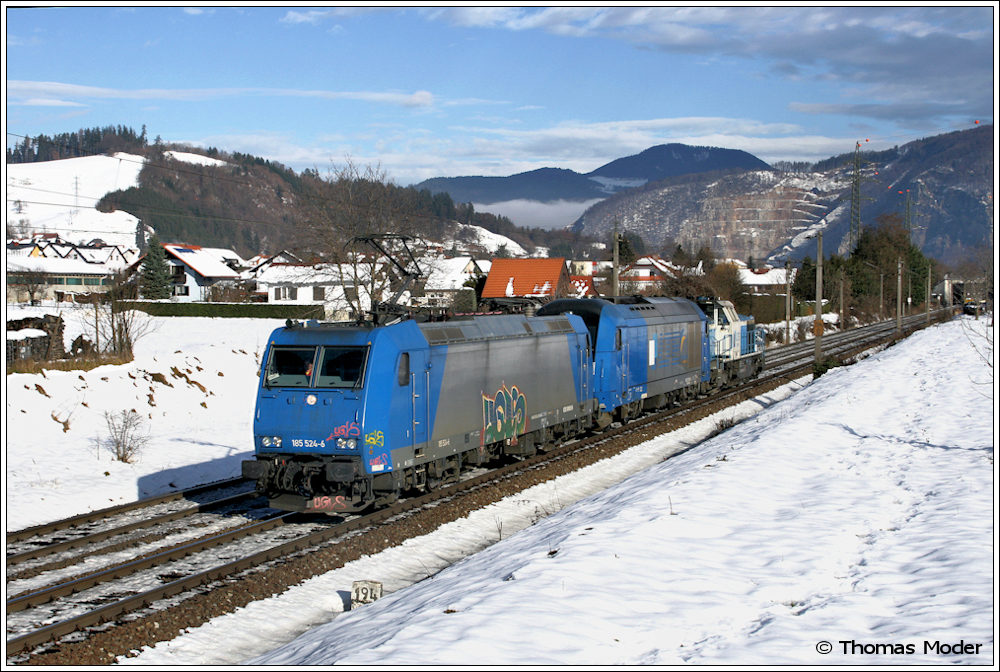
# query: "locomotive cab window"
403, 374
290, 366
342, 367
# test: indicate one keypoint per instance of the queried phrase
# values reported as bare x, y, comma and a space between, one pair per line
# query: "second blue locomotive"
350, 417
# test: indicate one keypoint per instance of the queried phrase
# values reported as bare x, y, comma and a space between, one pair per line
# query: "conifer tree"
155, 278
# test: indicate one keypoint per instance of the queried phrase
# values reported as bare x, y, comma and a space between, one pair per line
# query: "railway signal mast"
856, 199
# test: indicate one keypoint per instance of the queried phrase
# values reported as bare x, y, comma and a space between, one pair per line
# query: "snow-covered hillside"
487, 240
60, 197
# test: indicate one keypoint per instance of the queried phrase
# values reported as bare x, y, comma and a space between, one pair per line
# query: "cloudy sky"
455, 91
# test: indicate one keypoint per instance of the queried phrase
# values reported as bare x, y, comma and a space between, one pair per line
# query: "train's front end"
310, 417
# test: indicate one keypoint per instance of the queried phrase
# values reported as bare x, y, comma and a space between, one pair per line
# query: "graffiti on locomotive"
505, 415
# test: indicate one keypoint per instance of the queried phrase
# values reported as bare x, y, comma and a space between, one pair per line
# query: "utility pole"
908, 216
843, 309
818, 322
856, 180
909, 293
856, 197
788, 305
614, 265
927, 300
899, 294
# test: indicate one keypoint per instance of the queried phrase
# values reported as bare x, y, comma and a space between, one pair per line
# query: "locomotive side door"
419, 390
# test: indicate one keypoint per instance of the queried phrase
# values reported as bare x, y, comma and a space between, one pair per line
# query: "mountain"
665, 161
544, 184
768, 214
554, 184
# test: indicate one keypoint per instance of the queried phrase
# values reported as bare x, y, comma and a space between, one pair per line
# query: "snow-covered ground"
855, 512
57, 460
486, 239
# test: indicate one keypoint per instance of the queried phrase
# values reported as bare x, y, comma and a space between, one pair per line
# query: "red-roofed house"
534, 278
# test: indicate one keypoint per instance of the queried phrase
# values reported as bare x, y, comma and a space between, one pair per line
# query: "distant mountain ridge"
767, 214
559, 184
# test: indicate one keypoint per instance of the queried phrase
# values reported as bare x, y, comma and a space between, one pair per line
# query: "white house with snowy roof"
767, 280
342, 289
445, 278
54, 278
193, 271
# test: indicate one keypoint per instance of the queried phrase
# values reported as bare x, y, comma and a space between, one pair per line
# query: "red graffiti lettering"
326, 503
346, 429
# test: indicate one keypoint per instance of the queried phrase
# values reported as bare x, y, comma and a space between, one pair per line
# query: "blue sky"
456, 91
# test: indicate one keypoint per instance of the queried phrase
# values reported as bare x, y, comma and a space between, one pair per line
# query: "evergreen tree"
873, 264
804, 287
155, 278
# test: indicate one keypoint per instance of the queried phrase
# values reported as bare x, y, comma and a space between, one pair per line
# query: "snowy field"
849, 520
57, 460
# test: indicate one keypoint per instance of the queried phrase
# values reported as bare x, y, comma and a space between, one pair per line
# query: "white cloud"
33, 90
47, 102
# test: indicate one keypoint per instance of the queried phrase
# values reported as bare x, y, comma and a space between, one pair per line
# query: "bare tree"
725, 279
355, 202
118, 325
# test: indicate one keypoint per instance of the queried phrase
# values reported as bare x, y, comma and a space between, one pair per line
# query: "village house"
446, 279
649, 271
343, 290
583, 286
194, 270
54, 278
51, 246
766, 280
527, 278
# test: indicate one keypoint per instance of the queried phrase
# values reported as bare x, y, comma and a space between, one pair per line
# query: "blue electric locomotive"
350, 417
649, 352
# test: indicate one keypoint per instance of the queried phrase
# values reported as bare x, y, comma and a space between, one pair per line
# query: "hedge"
260, 310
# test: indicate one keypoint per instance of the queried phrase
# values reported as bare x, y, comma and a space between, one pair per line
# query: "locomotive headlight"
349, 444
270, 441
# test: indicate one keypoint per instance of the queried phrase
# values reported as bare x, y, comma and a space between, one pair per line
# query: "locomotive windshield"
293, 366
342, 367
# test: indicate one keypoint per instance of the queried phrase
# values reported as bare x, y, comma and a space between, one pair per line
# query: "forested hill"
85, 142
249, 204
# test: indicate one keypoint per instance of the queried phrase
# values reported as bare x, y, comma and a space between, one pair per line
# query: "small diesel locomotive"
350, 417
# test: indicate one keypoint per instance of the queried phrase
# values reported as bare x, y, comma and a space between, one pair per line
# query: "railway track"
42, 607
91, 528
